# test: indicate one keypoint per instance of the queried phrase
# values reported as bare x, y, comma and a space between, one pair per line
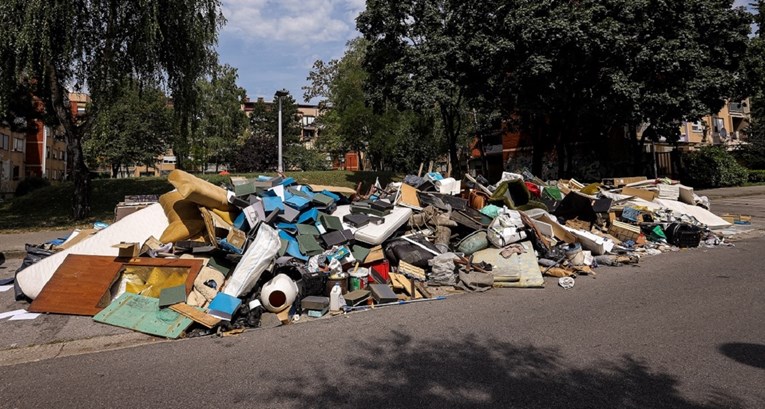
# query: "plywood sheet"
80, 286
142, 314
523, 266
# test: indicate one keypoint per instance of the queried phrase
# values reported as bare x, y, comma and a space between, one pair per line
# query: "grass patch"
50, 208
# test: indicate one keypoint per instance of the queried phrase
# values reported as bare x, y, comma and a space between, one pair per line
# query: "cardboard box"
128, 250
619, 182
648, 195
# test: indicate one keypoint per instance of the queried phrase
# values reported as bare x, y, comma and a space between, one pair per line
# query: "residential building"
727, 127
307, 113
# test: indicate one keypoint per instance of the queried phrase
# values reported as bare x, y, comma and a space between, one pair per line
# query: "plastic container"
334, 297
359, 279
279, 293
339, 278
574, 254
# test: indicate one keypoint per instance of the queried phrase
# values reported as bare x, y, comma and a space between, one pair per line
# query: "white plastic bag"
255, 260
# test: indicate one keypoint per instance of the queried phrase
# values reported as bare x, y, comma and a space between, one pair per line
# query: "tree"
136, 127
94, 45
752, 154
428, 54
219, 121
583, 67
389, 136
260, 150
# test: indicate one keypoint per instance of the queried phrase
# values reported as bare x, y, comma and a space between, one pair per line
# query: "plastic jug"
334, 297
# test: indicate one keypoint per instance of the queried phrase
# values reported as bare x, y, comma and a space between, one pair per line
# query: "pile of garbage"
205, 259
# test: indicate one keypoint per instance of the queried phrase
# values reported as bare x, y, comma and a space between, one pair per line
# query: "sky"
273, 44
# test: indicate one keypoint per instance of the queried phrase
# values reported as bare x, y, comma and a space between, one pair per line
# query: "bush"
757, 176
29, 184
712, 166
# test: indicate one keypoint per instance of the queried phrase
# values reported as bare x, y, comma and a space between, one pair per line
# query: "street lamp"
279, 94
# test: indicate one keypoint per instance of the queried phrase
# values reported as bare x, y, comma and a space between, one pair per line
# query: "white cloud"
292, 21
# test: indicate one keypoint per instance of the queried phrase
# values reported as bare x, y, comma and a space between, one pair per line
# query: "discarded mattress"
375, 234
136, 227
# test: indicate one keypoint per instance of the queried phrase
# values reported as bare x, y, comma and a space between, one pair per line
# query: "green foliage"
392, 139
94, 46
756, 176
31, 183
302, 158
134, 128
712, 166
218, 122
260, 150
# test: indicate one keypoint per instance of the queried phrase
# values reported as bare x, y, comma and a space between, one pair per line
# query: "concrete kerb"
41, 352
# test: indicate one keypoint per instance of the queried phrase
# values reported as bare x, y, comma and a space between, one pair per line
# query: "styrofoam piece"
375, 234
255, 260
135, 227
596, 244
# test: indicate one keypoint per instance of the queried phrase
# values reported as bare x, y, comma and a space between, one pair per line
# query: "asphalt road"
682, 330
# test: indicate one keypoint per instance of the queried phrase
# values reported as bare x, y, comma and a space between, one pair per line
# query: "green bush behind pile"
712, 166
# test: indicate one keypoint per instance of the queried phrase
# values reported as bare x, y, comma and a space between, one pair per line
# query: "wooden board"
195, 314
80, 286
333, 189
142, 314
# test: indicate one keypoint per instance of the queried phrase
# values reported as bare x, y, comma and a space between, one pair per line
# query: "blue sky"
273, 44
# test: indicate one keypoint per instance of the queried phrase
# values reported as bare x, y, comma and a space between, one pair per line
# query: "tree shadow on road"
747, 354
402, 372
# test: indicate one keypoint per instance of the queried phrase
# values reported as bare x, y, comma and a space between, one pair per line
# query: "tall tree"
135, 128
218, 122
426, 54
390, 137
93, 45
752, 154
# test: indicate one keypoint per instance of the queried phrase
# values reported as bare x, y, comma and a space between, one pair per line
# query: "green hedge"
712, 166
757, 176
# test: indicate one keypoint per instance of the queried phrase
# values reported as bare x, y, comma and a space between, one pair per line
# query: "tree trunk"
73, 137
361, 161
448, 117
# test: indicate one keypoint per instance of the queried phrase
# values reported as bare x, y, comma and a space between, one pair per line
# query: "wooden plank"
81, 284
333, 189
396, 282
195, 314
415, 271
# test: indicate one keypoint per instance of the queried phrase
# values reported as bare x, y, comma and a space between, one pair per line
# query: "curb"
35, 353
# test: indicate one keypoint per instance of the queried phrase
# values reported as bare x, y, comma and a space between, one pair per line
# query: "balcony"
737, 109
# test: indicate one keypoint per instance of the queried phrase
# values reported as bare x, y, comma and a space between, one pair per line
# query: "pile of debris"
206, 259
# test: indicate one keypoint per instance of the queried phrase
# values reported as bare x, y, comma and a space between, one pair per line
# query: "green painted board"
142, 314
523, 266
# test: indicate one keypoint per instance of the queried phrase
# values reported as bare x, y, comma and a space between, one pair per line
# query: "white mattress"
136, 227
372, 233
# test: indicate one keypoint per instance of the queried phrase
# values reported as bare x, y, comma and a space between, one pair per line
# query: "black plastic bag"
35, 253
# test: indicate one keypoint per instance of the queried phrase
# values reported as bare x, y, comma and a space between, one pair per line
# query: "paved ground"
683, 330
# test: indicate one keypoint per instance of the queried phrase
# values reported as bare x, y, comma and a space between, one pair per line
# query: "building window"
5, 143
308, 120
80, 110
18, 144
697, 127
308, 133
16, 171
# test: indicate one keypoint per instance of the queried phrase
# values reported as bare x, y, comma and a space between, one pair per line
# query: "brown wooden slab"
196, 315
80, 286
